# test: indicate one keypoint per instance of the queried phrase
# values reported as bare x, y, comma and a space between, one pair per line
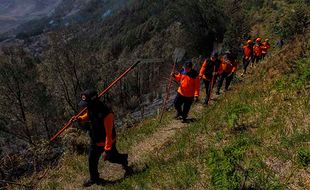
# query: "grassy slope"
255, 136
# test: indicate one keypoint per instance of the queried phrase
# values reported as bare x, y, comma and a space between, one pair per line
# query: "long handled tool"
212, 84
69, 123
178, 55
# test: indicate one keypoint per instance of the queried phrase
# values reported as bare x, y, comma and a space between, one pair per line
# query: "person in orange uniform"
208, 73
188, 90
257, 52
265, 46
102, 134
247, 55
227, 70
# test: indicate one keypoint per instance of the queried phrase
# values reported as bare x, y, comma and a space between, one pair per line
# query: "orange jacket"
208, 68
247, 52
108, 123
257, 50
189, 83
228, 66
265, 46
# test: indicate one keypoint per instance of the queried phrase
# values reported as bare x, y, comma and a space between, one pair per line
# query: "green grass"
298, 79
304, 156
254, 137
129, 137
227, 148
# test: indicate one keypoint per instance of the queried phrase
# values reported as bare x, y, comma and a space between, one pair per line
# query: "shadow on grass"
241, 128
133, 171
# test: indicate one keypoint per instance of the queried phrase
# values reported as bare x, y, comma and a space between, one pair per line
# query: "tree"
237, 26
28, 111
70, 67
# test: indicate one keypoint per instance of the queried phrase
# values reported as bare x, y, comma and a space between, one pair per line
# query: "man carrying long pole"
102, 132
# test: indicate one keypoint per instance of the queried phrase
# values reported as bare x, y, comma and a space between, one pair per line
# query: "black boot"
91, 182
128, 171
206, 101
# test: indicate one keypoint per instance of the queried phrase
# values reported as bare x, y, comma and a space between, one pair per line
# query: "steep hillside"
255, 136
48, 71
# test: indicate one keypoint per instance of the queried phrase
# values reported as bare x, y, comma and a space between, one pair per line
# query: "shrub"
304, 157
294, 22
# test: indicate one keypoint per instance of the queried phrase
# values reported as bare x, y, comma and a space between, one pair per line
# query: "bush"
294, 22
304, 157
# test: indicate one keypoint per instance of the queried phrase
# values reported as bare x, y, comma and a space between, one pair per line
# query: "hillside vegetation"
255, 136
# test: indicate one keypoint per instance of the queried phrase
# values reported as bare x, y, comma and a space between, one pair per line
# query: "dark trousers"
209, 87
246, 63
94, 156
228, 78
185, 102
256, 59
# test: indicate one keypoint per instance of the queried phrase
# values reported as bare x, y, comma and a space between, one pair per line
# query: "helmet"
258, 40
249, 42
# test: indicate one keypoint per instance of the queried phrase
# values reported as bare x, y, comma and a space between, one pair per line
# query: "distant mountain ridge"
15, 12
15, 15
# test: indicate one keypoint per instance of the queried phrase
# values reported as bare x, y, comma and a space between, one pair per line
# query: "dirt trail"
150, 145
157, 140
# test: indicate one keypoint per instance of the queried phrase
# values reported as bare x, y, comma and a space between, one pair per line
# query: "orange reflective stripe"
197, 87
109, 124
203, 68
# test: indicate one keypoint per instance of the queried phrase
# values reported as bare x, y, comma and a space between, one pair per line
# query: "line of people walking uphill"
215, 69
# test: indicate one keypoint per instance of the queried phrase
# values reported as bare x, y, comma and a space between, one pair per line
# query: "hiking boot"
125, 163
128, 171
184, 120
91, 182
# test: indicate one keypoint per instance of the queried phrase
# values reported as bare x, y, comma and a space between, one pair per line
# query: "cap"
188, 64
